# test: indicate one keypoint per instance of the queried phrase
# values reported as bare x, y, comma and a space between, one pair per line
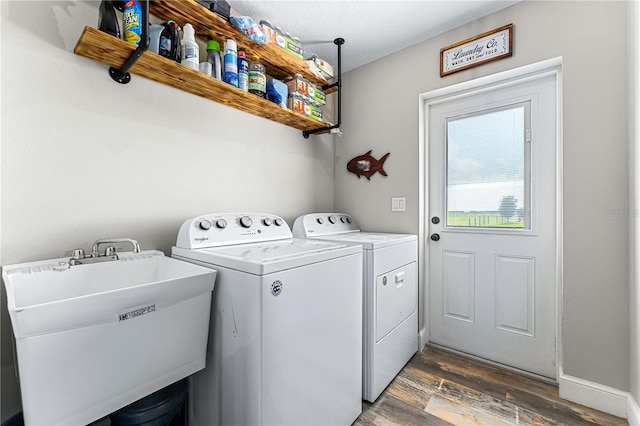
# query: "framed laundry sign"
478, 50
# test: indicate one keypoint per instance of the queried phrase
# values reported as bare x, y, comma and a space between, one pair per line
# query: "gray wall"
381, 113
85, 158
634, 194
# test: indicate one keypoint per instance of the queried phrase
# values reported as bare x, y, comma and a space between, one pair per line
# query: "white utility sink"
93, 338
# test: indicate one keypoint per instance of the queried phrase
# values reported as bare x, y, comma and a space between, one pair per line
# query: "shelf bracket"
306, 133
122, 75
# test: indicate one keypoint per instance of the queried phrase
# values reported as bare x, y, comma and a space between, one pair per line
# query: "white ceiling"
371, 29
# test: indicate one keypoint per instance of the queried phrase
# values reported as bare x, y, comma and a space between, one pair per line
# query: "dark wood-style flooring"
438, 387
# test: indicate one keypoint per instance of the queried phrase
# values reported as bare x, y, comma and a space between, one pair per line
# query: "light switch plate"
398, 204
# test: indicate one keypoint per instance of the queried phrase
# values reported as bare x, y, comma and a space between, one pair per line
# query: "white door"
492, 224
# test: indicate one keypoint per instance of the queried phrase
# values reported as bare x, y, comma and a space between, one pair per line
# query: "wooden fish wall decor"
365, 165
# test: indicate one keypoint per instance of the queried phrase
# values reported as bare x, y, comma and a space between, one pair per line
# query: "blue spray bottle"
231, 62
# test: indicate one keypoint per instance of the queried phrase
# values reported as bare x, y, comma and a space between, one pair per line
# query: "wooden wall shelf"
102, 47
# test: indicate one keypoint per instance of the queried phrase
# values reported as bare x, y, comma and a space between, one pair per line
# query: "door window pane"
488, 169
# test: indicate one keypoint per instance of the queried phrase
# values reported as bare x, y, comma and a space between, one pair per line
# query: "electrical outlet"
398, 204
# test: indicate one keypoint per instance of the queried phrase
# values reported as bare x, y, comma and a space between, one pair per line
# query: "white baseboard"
422, 339
594, 395
633, 411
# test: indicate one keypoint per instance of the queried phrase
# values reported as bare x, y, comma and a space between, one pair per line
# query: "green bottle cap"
213, 45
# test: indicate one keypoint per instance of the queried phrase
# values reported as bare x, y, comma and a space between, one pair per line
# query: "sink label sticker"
136, 312
276, 287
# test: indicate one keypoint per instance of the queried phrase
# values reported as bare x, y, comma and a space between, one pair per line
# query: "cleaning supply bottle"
243, 71
257, 77
167, 42
132, 21
107, 20
213, 57
231, 62
190, 49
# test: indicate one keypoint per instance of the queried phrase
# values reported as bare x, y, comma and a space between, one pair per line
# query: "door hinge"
527, 135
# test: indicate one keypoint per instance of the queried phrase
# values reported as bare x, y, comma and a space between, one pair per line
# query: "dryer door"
396, 298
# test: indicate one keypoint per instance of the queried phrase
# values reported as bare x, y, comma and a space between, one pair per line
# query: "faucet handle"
110, 251
75, 253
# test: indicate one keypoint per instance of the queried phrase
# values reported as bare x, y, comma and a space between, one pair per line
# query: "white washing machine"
285, 338
390, 282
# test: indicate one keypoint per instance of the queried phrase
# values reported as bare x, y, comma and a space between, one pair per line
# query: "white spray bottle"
190, 49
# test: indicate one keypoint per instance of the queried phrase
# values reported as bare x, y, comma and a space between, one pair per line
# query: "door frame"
425, 101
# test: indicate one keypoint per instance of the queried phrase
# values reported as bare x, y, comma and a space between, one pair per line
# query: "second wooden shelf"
207, 24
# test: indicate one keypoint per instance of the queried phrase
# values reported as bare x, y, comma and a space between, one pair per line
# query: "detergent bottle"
190, 49
107, 20
213, 56
132, 21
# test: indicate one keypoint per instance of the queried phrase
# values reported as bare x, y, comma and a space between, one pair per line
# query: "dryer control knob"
205, 224
332, 219
246, 221
221, 223
348, 219
320, 220
267, 222
279, 222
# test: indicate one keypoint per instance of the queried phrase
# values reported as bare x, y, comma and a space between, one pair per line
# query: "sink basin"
46, 296
93, 338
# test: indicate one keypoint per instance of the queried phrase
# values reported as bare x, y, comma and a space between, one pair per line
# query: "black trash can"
15, 420
166, 407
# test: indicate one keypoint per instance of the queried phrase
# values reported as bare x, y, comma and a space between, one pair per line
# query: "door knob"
435, 237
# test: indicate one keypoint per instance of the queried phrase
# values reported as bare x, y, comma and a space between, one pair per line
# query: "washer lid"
268, 257
370, 240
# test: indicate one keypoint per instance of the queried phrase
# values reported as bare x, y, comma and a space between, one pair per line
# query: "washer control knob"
267, 222
332, 219
343, 219
279, 222
348, 219
221, 223
246, 221
320, 220
205, 224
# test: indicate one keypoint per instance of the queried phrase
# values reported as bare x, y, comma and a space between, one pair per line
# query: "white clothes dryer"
285, 337
390, 304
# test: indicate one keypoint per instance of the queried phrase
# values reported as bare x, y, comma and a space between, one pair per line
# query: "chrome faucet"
79, 257
134, 243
